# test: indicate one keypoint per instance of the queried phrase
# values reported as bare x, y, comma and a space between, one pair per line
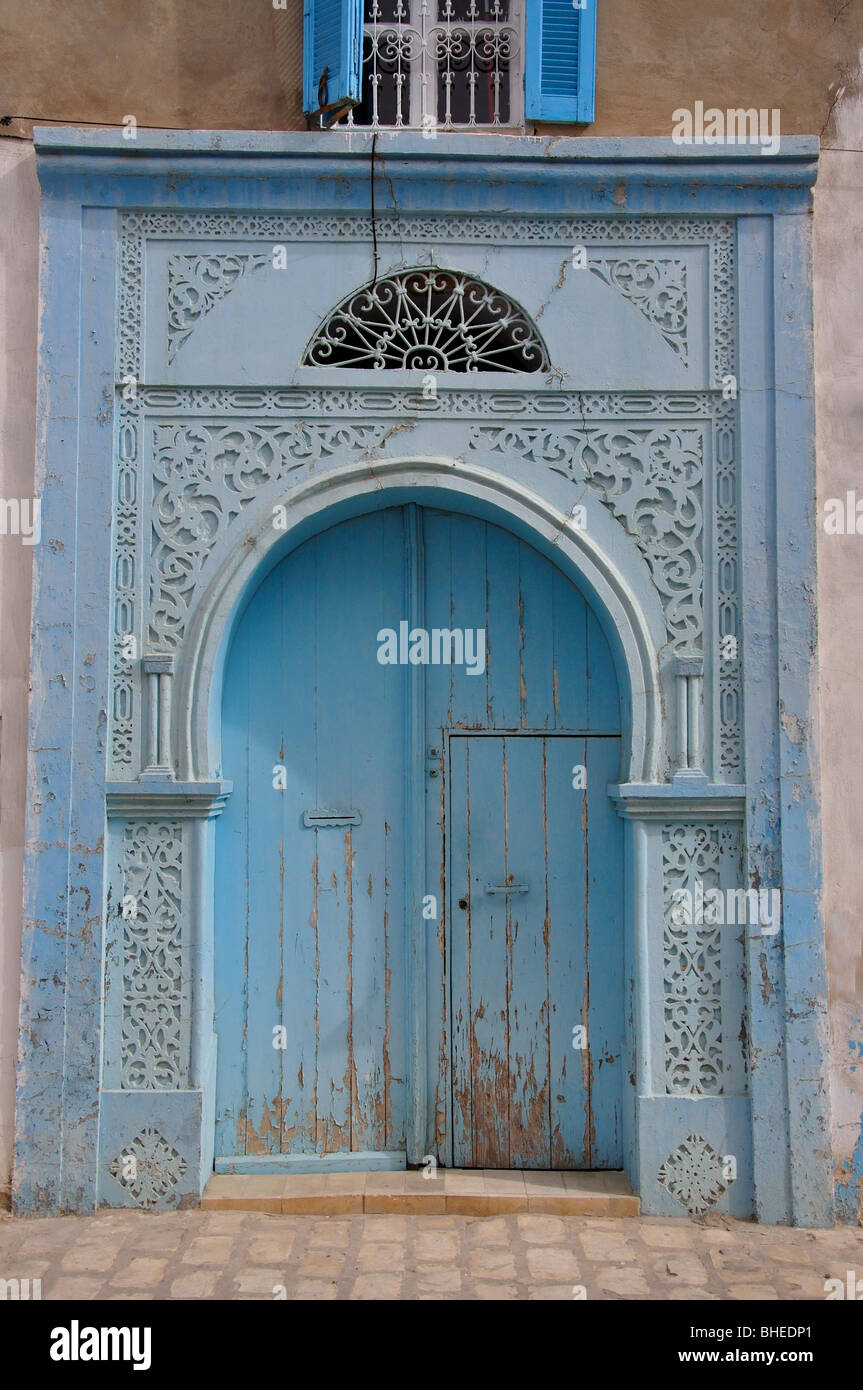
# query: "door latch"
323, 818
507, 888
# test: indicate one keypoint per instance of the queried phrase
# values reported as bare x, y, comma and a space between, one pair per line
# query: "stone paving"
254, 1255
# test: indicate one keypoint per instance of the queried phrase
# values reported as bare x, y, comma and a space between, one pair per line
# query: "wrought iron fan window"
429, 320
448, 64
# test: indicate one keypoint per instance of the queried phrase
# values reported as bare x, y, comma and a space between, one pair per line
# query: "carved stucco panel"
652, 479
166, 527
699, 956
204, 475
657, 287
153, 1029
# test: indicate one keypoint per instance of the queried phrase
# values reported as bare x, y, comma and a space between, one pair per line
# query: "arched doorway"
416, 666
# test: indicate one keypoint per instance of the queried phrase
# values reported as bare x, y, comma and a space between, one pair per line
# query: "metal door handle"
313, 818
508, 888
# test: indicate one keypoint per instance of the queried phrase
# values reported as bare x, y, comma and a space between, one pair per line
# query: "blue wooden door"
329, 1045
515, 973
309, 865
534, 895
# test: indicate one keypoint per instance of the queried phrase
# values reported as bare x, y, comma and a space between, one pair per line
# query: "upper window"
448, 64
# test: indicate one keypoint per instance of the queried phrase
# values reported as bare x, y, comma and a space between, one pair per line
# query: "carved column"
159, 673
159, 1048
689, 1125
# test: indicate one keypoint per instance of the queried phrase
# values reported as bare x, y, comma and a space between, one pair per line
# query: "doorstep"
453, 1191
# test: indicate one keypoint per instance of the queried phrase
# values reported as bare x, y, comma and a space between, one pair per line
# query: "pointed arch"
324, 500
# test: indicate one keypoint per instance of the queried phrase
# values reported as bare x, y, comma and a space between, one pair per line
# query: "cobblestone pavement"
200, 1255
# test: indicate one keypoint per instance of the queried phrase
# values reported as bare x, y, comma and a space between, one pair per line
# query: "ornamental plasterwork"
697, 954
196, 284
149, 1167
693, 1174
652, 479
464, 324
203, 477
152, 1047
199, 487
567, 232
657, 288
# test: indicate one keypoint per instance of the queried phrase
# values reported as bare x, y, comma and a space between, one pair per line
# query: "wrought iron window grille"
441, 65
429, 320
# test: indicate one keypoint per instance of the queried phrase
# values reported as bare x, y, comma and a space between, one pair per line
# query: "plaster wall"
223, 64
838, 376
19, 270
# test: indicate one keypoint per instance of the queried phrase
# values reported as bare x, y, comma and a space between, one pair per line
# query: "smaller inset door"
535, 906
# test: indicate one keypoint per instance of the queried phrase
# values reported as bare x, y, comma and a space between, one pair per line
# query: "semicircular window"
429, 320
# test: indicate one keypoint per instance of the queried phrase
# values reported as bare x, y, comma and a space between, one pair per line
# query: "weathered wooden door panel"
549, 669
548, 663
535, 907
310, 917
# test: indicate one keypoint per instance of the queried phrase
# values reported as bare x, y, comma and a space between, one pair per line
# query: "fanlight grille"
429, 320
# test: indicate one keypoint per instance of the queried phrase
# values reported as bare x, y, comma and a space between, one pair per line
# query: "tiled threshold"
453, 1191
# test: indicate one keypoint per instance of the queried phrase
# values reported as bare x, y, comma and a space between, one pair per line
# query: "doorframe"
632, 622
70, 1124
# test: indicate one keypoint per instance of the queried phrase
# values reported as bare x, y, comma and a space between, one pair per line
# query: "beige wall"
839, 405
234, 64
19, 268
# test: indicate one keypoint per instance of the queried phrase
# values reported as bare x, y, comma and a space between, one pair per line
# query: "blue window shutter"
560, 53
332, 39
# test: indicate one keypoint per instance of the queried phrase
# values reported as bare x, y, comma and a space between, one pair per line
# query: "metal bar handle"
508, 888
319, 818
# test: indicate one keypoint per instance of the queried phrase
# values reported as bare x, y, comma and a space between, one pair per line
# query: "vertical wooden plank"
536, 639
437, 605
528, 925
504, 650
390, 900
377, 719
336, 788
569, 678
460, 936
363, 868
266, 888
566, 819
605, 952
454, 596
603, 698
437, 582
480, 964
413, 763
467, 600
297, 754
231, 898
